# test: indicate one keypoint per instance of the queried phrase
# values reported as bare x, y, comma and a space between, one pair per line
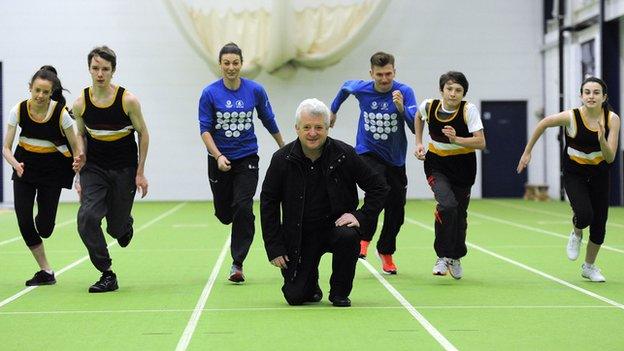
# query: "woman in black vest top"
591, 145
42, 162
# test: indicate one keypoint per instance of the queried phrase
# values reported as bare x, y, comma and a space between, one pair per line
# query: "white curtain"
276, 35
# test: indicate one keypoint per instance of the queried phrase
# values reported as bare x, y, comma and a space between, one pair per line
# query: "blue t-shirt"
381, 128
227, 115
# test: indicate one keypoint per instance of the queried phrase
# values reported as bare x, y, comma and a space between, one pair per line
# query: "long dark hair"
605, 104
49, 73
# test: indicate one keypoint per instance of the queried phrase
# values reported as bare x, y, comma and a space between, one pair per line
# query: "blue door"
504, 124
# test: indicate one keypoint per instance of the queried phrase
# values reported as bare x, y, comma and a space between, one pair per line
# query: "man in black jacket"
308, 206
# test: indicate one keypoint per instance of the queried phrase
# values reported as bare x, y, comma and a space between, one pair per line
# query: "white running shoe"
574, 246
440, 267
455, 268
592, 273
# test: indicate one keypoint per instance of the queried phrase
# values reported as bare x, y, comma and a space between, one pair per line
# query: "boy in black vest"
456, 131
107, 116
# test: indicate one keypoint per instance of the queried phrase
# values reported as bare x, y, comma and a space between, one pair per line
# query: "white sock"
49, 271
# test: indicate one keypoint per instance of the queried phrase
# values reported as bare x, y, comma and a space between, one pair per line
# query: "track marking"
309, 308
419, 317
62, 224
550, 213
534, 229
530, 269
189, 225
79, 261
185, 339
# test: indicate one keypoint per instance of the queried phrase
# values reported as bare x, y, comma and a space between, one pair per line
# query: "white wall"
495, 43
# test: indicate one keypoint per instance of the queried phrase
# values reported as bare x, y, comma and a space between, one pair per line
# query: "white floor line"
550, 213
534, 229
79, 261
190, 225
62, 224
185, 339
311, 308
10, 240
530, 269
419, 317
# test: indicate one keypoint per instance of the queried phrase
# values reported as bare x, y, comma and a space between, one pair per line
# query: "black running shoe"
125, 240
108, 282
41, 278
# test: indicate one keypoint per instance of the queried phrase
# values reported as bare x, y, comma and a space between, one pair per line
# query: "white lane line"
530, 269
550, 213
185, 339
62, 224
190, 225
79, 261
10, 240
419, 317
534, 229
300, 309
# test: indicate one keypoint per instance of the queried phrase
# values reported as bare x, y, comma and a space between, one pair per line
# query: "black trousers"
589, 198
42, 225
105, 193
301, 278
394, 208
450, 216
233, 193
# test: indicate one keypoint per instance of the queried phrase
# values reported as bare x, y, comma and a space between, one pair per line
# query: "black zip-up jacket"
282, 197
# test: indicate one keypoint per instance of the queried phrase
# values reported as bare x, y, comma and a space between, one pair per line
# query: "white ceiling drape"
276, 35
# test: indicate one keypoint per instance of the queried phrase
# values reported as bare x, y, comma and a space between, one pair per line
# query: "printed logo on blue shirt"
240, 104
233, 123
228, 104
374, 105
380, 125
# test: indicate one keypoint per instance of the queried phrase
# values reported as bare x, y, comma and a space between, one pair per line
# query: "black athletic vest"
583, 153
43, 148
459, 164
110, 135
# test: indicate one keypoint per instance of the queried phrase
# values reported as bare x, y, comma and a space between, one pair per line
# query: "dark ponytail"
49, 73
605, 104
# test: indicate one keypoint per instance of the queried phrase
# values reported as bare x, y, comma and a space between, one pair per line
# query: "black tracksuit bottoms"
301, 278
105, 193
450, 216
233, 193
394, 207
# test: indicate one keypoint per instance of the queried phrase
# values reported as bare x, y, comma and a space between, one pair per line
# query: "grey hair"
314, 107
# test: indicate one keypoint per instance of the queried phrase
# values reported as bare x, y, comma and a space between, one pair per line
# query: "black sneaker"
108, 282
236, 274
125, 240
316, 296
41, 278
338, 301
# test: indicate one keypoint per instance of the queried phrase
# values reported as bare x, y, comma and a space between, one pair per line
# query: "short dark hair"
381, 59
455, 77
230, 48
104, 52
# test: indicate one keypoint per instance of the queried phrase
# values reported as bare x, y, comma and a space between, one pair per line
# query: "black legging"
42, 225
589, 198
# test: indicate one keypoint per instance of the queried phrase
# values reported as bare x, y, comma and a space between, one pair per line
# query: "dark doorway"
505, 126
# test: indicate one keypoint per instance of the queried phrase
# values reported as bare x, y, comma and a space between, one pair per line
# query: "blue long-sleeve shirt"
227, 115
381, 128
